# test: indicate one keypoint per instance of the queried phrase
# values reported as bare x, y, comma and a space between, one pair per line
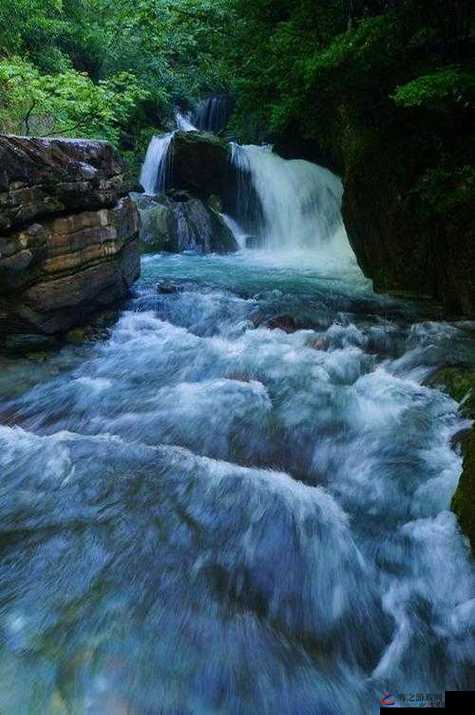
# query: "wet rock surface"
68, 236
40, 177
178, 222
200, 163
458, 381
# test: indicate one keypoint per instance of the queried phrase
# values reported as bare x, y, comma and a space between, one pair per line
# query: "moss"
459, 383
77, 336
463, 502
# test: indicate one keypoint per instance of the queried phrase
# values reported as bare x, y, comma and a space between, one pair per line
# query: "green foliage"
446, 190
307, 58
438, 91
355, 56
108, 68
66, 103
117, 68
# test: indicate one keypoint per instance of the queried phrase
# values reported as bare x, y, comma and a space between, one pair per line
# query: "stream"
208, 512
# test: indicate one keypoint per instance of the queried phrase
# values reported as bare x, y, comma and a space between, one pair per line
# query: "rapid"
208, 512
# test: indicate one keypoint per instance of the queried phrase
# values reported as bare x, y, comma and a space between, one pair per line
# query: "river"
202, 514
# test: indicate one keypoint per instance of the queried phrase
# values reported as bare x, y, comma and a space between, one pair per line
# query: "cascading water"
212, 114
155, 174
153, 177
299, 203
184, 123
276, 204
236, 501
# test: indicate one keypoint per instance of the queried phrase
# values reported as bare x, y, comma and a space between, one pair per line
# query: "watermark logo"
387, 700
420, 700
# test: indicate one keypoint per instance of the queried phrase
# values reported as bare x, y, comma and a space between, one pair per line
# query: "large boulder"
404, 246
179, 222
68, 235
200, 163
39, 177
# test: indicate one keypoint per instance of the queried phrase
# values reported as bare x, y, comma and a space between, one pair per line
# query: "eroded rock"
68, 236
179, 222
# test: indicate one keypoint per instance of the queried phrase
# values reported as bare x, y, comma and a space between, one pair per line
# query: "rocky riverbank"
68, 236
459, 383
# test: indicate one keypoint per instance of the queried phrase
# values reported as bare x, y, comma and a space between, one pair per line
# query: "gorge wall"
409, 193
68, 236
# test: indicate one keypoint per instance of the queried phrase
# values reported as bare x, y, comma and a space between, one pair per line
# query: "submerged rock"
179, 222
282, 322
167, 288
68, 236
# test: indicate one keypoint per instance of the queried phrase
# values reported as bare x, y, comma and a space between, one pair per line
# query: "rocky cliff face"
412, 230
408, 203
68, 236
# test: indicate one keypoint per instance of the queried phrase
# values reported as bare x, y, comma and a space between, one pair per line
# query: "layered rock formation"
68, 236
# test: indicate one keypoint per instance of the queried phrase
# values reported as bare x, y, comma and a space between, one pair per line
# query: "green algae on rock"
459, 383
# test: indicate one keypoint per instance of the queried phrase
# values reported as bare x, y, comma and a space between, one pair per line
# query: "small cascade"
156, 167
240, 236
212, 114
153, 177
287, 204
184, 123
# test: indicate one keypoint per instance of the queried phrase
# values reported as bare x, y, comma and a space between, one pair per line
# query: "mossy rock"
179, 221
77, 336
158, 228
459, 383
200, 163
463, 502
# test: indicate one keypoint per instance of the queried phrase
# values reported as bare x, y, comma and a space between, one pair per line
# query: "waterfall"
156, 167
237, 231
298, 203
278, 204
153, 177
184, 123
212, 114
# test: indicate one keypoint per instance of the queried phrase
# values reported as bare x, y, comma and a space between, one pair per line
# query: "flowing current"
156, 169
236, 500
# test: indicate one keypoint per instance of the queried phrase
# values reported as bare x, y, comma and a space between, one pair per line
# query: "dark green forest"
117, 68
